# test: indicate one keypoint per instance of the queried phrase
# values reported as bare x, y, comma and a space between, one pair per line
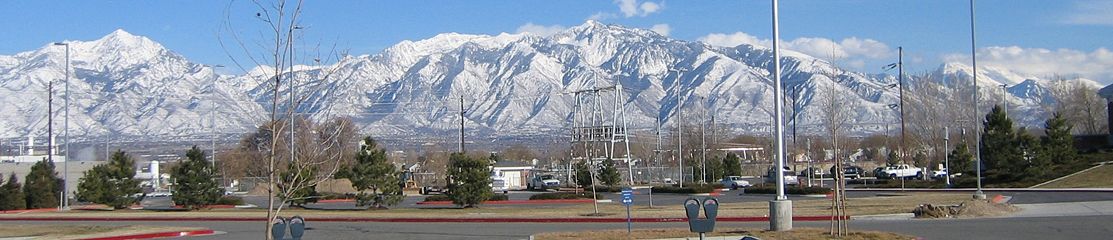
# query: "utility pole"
900, 84
462, 124
657, 151
780, 208
1004, 98
679, 128
946, 158
703, 147
66, 127
977, 131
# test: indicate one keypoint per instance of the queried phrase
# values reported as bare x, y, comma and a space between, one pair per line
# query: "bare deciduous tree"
1080, 105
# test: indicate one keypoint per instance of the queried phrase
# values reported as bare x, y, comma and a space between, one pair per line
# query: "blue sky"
1033, 36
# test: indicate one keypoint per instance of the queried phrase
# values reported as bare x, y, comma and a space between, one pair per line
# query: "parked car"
542, 182
815, 172
499, 184
850, 172
734, 182
789, 176
902, 171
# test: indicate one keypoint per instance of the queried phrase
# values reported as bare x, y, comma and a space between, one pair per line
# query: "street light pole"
66, 129
1004, 99
780, 209
946, 157
679, 128
977, 130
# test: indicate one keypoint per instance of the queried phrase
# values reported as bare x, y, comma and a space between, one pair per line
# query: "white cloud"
852, 47
1090, 13
733, 39
631, 8
649, 8
1045, 62
662, 29
540, 30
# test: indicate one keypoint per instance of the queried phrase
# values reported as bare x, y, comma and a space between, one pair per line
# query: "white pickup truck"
902, 171
542, 182
734, 182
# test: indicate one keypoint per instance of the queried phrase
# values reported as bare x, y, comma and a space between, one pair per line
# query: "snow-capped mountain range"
510, 84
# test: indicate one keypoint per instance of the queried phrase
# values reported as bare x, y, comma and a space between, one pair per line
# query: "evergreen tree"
374, 177
11, 196
892, 158
41, 186
111, 184
961, 160
469, 180
1058, 147
583, 174
303, 194
195, 181
714, 169
608, 173
1033, 162
1000, 149
732, 165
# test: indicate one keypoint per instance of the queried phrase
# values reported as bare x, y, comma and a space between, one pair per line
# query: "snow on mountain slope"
510, 84
121, 84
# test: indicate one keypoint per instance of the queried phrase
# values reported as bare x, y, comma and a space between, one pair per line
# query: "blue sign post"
628, 199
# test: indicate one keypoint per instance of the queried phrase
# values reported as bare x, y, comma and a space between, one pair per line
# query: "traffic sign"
627, 196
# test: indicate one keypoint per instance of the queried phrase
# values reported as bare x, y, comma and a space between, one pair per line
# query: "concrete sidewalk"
1096, 208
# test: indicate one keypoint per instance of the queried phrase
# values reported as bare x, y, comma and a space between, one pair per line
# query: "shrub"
788, 190
690, 189
438, 198
562, 195
229, 200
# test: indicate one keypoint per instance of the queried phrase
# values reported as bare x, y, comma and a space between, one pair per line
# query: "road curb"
514, 202
156, 235
983, 189
415, 220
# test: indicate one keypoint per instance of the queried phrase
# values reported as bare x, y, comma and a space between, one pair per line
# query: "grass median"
809, 207
79, 232
798, 233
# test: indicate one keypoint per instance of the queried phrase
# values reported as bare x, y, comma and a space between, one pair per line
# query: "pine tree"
111, 184
41, 186
892, 158
303, 194
469, 180
732, 165
1000, 149
195, 181
11, 196
714, 169
374, 177
583, 174
1058, 147
961, 160
1033, 162
608, 173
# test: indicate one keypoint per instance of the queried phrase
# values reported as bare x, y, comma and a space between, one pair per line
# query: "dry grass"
816, 207
79, 232
798, 233
1096, 178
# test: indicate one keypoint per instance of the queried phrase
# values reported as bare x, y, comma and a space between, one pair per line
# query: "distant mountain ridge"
511, 84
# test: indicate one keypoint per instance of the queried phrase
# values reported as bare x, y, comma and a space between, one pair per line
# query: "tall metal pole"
780, 209
66, 127
461, 124
946, 157
679, 130
977, 129
703, 146
900, 84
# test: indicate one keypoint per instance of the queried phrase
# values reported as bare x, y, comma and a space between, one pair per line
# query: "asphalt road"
1078, 227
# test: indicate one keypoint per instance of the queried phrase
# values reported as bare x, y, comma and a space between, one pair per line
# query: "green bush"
229, 200
788, 190
690, 189
438, 198
332, 195
562, 195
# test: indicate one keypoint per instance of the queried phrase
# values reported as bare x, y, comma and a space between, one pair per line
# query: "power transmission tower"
596, 136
